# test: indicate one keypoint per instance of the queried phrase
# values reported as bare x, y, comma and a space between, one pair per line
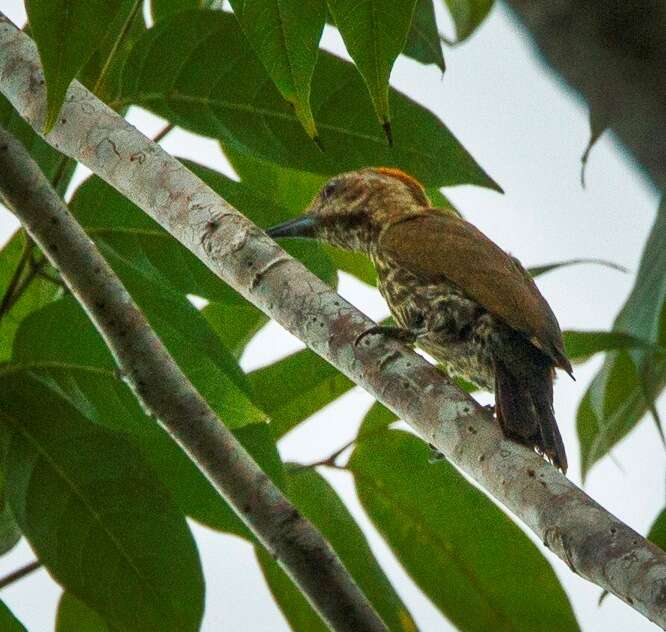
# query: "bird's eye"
329, 190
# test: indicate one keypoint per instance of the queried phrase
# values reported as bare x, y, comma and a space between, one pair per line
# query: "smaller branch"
166, 392
19, 573
163, 132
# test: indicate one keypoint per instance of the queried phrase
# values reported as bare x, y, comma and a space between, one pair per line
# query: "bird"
452, 292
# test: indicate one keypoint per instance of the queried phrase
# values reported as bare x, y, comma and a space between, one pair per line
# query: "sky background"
528, 132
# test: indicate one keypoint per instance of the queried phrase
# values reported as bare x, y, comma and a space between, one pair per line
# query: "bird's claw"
397, 333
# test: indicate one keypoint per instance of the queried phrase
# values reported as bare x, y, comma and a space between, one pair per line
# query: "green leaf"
161, 9
467, 15
128, 552
59, 348
285, 35
75, 616
374, 33
67, 33
582, 345
626, 386
319, 502
467, 556
55, 166
234, 324
377, 419
536, 271
10, 534
295, 387
186, 70
8, 621
37, 294
102, 72
423, 41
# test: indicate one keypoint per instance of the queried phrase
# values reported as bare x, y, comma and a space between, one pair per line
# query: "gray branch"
614, 53
164, 390
592, 542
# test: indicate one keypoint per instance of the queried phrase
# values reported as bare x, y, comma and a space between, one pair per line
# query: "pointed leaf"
627, 385
319, 502
468, 557
375, 33
186, 69
124, 547
161, 9
657, 533
295, 388
10, 534
423, 41
582, 345
467, 15
67, 33
285, 35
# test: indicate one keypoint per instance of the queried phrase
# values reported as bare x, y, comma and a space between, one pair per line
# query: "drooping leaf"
627, 385
318, 502
285, 35
295, 387
55, 166
536, 271
374, 33
467, 556
128, 552
185, 69
75, 616
423, 41
67, 33
467, 15
60, 349
598, 124
8, 620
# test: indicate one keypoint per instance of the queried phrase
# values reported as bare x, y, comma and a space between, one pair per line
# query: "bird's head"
352, 208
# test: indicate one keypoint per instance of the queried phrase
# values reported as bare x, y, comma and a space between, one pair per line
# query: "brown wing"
434, 244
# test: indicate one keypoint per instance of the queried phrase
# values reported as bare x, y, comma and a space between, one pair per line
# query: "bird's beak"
304, 226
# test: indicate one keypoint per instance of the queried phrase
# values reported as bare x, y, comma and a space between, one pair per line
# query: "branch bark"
162, 387
590, 540
614, 54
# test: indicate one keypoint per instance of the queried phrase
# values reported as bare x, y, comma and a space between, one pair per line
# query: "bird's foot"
396, 333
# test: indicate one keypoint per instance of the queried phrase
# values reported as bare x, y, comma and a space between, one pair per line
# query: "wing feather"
434, 244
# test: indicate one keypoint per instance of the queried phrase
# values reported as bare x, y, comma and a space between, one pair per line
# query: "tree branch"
591, 541
614, 54
164, 390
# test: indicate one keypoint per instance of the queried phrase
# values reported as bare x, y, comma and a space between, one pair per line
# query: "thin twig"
19, 573
163, 132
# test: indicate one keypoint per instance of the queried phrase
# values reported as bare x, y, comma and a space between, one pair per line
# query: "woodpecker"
451, 291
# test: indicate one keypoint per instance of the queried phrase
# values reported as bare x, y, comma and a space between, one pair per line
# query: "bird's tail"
524, 406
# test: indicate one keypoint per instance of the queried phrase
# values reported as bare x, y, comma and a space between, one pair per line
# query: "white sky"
528, 131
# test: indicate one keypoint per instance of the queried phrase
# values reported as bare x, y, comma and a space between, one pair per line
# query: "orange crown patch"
412, 183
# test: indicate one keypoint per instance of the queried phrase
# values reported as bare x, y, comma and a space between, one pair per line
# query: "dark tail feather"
525, 411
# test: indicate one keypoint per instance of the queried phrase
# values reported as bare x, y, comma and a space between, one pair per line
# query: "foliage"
79, 455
